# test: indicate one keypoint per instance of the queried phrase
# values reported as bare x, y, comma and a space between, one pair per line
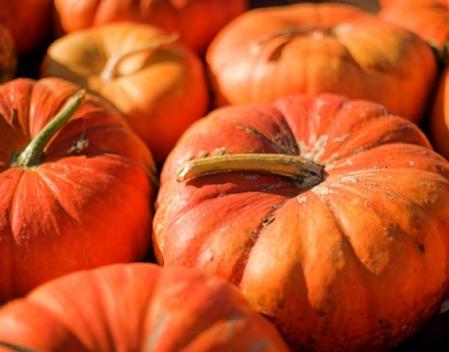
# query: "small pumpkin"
137, 307
8, 58
157, 83
266, 54
330, 214
74, 194
28, 21
197, 21
428, 18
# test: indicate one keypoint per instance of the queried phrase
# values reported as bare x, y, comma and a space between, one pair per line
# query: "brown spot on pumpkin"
78, 146
268, 220
421, 247
203, 154
220, 151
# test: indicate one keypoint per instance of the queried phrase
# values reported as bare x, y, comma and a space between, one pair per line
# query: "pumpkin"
137, 307
269, 53
439, 119
197, 21
330, 214
157, 83
74, 194
428, 18
8, 59
28, 21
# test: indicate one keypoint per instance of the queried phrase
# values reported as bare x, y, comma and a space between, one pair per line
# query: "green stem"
16, 348
292, 166
32, 154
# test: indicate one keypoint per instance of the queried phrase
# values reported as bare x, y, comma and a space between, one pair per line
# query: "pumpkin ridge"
156, 281
14, 206
386, 193
78, 234
240, 266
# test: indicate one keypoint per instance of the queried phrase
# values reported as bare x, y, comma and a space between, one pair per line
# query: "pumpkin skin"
427, 18
88, 203
28, 21
439, 119
161, 92
8, 59
187, 17
137, 307
270, 53
355, 263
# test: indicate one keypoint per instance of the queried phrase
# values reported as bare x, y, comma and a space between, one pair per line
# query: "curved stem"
14, 347
291, 33
109, 71
33, 152
291, 166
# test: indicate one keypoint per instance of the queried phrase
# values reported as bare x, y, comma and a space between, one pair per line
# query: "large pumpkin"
157, 83
197, 21
428, 18
269, 53
137, 307
28, 21
331, 215
72, 196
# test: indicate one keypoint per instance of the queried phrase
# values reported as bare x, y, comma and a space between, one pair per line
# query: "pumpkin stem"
304, 173
14, 347
291, 33
32, 154
109, 71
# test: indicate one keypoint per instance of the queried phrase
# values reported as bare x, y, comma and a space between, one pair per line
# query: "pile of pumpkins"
196, 175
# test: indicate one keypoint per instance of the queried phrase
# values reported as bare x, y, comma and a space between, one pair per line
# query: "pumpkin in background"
197, 21
73, 195
427, 18
439, 120
28, 21
346, 250
137, 307
269, 53
8, 59
157, 83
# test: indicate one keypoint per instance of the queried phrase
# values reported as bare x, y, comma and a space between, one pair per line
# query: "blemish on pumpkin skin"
78, 146
203, 154
342, 138
421, 248
219, 151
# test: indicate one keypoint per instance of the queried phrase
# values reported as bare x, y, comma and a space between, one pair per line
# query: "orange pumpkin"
197, 21
331, 215
428, 18
269, 53
137, 307
73, 195
8, 59
157, 83
28, 21
439, 120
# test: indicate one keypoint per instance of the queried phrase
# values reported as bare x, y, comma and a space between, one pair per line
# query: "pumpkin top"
269, 53
26, 107
356, 255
